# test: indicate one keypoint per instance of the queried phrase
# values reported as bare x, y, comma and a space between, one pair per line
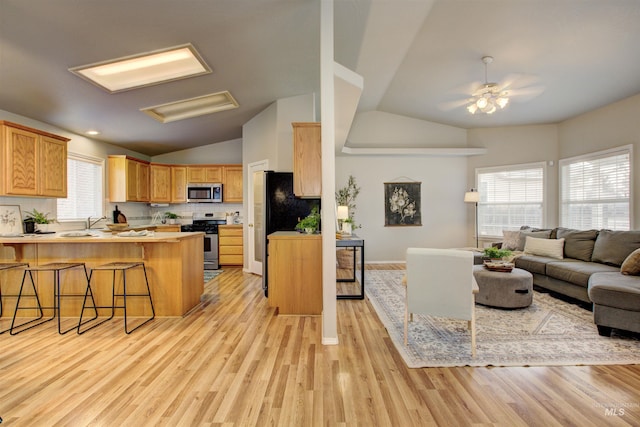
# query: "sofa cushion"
631, 265
511, 240
541, 234
613, 247
578, 244
552, 248
615, 290
577, 272
533, 264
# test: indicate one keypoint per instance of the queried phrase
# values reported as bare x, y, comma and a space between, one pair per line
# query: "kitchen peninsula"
174, 263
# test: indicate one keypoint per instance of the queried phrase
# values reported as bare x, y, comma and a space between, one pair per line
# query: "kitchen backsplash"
136, 213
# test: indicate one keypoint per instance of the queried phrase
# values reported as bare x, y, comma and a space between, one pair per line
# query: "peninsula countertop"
174, 263
97, 237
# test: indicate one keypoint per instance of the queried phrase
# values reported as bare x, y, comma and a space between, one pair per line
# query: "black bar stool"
56, 268
114, 267
8, 266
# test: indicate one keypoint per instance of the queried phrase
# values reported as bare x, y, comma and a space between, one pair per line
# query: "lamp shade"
343, 212
472, 196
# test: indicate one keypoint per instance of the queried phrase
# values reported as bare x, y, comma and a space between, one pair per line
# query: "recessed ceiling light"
193, 107
92, 132
144, 69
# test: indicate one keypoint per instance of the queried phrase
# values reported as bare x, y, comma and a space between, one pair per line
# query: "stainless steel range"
208, 224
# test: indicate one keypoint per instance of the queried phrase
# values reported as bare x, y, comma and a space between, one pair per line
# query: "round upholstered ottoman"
504, 290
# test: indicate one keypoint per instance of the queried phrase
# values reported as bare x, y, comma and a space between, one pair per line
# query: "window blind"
595, 190
510, 197
84, 189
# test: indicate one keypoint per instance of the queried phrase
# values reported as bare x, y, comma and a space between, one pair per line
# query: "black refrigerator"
282, 211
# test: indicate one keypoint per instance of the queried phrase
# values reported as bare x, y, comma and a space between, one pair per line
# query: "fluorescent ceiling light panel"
145, 69
193, 107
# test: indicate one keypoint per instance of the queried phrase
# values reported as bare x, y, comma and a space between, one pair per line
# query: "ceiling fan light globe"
472, 108
502, 102
490, 109
482, 102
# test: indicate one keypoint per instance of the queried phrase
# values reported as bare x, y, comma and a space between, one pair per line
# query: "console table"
353, 241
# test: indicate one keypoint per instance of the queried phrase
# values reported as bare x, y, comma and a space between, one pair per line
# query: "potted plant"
41, 219
347, 225
172, 217
310, 223
496, 253
346, 196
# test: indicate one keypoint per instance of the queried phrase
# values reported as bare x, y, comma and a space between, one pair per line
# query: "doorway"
255, 213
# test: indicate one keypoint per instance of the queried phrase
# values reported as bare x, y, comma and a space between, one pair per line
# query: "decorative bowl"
118, 227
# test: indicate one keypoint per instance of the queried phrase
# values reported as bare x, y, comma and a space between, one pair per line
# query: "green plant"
171, 215
38, 217
496, 253
310, 222
346, 196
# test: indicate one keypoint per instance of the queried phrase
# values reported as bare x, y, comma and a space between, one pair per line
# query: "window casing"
595, 190
510, 197
85, 189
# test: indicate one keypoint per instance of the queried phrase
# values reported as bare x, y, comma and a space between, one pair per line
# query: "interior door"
255, 214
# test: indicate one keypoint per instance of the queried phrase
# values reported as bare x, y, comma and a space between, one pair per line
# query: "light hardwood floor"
233, 362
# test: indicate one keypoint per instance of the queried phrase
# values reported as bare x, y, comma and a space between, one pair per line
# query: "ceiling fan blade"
451, 105
517, 81
467, 89
526, 94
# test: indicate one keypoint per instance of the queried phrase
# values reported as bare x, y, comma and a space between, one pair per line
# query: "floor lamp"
472, 196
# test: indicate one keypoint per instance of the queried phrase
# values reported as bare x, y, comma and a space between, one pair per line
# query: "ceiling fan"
489, 97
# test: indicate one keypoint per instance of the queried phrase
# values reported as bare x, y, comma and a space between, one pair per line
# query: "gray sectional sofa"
588, 269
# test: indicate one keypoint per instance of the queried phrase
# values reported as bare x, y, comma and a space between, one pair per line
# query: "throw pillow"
613, 247
542, 234
578, 244
552, 248
510, 240
631, 265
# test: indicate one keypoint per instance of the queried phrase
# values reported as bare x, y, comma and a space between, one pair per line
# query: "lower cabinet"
230, 245
295, 272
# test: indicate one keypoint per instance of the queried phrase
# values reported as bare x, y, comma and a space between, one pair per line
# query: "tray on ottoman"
502, 266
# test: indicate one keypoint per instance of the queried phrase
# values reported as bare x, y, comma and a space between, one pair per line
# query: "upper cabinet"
232, 184
202, 173
128, 179
168, 183
178, 184
160, 183
307, 160
33, 162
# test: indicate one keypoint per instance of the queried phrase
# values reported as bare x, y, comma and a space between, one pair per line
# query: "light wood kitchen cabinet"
307, 160
295, 272
168, 228
33, 162
178, 184
160, 181
204, 173
128, 179
232, 184
230, 247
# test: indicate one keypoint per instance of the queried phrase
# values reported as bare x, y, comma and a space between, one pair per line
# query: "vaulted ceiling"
419, 59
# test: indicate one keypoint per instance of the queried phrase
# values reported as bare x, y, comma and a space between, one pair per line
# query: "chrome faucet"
91, 224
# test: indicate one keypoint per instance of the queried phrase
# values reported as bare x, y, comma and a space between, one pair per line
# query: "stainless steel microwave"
204, 193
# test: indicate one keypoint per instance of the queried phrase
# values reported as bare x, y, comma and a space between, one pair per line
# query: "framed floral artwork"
10, 220
402, 204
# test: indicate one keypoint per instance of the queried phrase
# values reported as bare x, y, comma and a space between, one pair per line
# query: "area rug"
211, 274
550, 332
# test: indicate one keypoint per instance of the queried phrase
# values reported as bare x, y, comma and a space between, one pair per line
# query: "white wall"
269, 134
512, 146
227, 152
443, 183
608, 127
